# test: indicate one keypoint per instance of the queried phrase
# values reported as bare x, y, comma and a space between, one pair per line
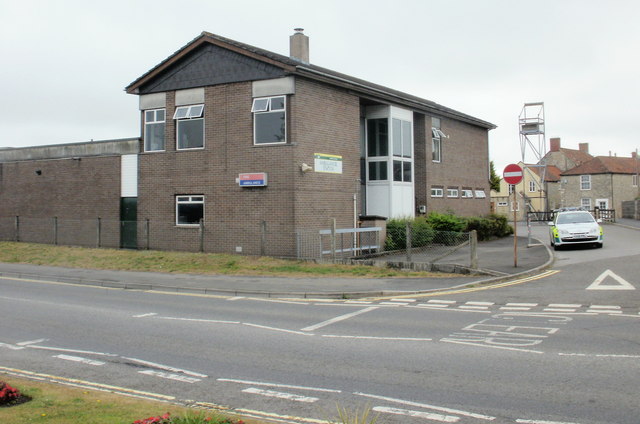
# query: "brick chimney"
299, 46
584, 147
554, 144
634, 155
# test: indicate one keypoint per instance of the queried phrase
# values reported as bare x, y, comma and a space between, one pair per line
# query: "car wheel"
599, 245
556, 247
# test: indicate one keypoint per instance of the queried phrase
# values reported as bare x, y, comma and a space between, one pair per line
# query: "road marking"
622, 283
604, 307
418, 414
165, 367
595, 355
515, 308
558, 310
59, 349
30, 342
543, 422
427, 406
231, 299
209, 321
403, 300
359, 302
170, 376
10, 346
470, 307
408, 339
282, 386
283, 330
280, 395
393, 303
432, 305
490, 346
339, 318
448, 302
564, 305
150, 314
480, 303
531, 305
79, 359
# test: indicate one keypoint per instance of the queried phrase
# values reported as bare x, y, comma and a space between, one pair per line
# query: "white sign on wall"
331, 164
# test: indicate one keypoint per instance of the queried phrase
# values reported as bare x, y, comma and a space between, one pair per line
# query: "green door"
129, 222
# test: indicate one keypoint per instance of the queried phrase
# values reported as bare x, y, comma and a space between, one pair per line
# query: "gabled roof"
606, 165
552, 173
576, 156
294, 67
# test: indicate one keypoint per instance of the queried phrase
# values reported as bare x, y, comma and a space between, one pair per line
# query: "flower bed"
10, 396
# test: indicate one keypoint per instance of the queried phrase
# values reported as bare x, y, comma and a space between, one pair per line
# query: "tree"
494, 178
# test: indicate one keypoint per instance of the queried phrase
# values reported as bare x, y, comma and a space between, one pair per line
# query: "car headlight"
563, 232
594, 231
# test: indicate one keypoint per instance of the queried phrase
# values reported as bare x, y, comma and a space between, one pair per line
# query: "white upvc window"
585, 203
452, 192
634, 180
436, 140
154, 121
189, 210
467, 193
402, 141
503, 203
480, 194
189, 127
269, 120
437, 192
585, 182
512, 188
532, 186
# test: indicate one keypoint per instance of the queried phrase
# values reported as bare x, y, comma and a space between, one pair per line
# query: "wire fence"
422, 244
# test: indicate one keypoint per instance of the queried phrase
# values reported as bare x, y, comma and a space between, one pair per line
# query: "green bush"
445, 222
489, 227
421, 233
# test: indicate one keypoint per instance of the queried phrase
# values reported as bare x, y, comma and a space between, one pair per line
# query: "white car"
575, 227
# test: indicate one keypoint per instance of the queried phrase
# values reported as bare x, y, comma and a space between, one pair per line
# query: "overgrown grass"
58, 404
186, 262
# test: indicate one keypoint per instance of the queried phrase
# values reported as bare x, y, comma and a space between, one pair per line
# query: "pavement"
496, 262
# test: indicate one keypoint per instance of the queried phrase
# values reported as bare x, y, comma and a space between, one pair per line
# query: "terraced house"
242, 149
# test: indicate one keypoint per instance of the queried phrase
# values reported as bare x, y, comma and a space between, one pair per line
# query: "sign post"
513, 175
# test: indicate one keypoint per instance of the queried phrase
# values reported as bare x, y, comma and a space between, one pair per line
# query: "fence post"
55, 230
333, 240
201, 234
146, 233
263, 238
473, 249
409, 241
17, 228
99, 232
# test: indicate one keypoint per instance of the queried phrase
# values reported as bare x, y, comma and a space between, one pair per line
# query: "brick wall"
76, 191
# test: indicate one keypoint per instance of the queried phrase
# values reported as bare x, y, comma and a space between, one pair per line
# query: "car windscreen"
575, 218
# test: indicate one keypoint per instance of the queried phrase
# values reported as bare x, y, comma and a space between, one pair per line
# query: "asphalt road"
563, 348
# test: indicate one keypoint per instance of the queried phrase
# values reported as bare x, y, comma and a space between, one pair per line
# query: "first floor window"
189, 127
436, 154
634, 180
480, 194
452, 192
154, 130
585, 182
377, 171
467, 193
502, 203
532, 186
402, 171
189, 210
437, 192
269, 120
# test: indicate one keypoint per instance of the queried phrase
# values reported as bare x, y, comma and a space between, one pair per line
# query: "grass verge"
59, 404
187, 262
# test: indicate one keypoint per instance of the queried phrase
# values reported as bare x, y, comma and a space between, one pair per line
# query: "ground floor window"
437, 191
189, 210
585, 203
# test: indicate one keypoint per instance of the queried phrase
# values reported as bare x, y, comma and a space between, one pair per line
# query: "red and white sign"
255, 179
512, 174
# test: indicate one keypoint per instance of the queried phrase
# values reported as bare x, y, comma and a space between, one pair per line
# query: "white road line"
165, 367
281, 386
515, 308
564, 305
150, 314
339, 318
492, 347
210, 321
393, 303
543, 422
170, 376
604, 307
283, 330
418, 414
432, 305
79, 359
10, 346
408, 339
603, 311
557, 310
531, 305
59, 349
32, 342
596, 355
448, 302
477, 308
359, 302
480, 303
231, 299
427, 406
403, 300
280, 395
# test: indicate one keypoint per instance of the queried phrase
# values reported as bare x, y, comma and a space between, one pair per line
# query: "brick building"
258, 146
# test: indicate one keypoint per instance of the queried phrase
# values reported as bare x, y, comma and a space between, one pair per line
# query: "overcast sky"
64, 64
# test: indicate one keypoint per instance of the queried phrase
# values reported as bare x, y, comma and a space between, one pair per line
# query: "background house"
242, 150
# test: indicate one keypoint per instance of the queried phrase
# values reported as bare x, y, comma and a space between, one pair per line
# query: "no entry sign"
512, 174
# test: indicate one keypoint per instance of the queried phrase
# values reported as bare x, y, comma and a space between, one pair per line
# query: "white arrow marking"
79, 359
418, 414
622, 283
170, 376
280, 395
